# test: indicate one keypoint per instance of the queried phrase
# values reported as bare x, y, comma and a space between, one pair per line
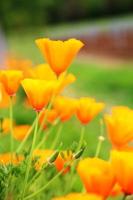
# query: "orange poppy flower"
79, 196
120, 126
117, 190
5, 158
51, 116
20, 131
24, 65
39, 92
59, 54
122, 163
87, 109
42, 156
44, 72
62, 159
4, 98
65, 107
11, 80
6, 125
64, 80
97, 176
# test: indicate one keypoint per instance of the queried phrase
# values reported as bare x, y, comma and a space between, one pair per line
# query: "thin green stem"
72, 178
57, 136
11, 128
100, 140
45, 117
30, 159
34, 178
124, 197
81, 138
25, 139
27, 135
44, 138
45, 186
98, 149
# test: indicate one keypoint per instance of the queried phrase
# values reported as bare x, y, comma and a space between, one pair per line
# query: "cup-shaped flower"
39, 92
79, 196
116, 191
20, 131
44, 72
64, 80
13, 63
87, 109
120, 126
11, 80
65, 107
97, 176
122, 163
59, 54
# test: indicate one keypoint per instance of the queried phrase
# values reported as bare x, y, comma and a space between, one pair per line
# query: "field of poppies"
57, 144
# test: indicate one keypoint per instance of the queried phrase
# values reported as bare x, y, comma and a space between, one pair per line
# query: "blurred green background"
22, 13
106, 75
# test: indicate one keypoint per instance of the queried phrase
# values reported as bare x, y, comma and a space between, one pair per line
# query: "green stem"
81, 138
71, 180
26, 137
57, 136
30, 159
45, 117
44, 138
98, 149
45, 186
11, 128
72, 177
100, 139
124, 197
34, 178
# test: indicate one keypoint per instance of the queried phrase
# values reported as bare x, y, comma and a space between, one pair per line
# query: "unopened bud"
101, 138
79, 153
55, 122
53, 157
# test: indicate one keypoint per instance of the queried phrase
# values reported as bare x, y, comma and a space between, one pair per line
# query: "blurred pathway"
113, 38
93, 28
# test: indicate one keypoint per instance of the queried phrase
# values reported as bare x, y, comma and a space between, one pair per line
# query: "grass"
112, 85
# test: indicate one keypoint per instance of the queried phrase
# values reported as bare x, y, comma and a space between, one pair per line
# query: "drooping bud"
52, 158
79, 153
101, 138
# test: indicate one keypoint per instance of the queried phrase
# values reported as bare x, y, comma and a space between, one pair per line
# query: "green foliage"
4, 174
22, 13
